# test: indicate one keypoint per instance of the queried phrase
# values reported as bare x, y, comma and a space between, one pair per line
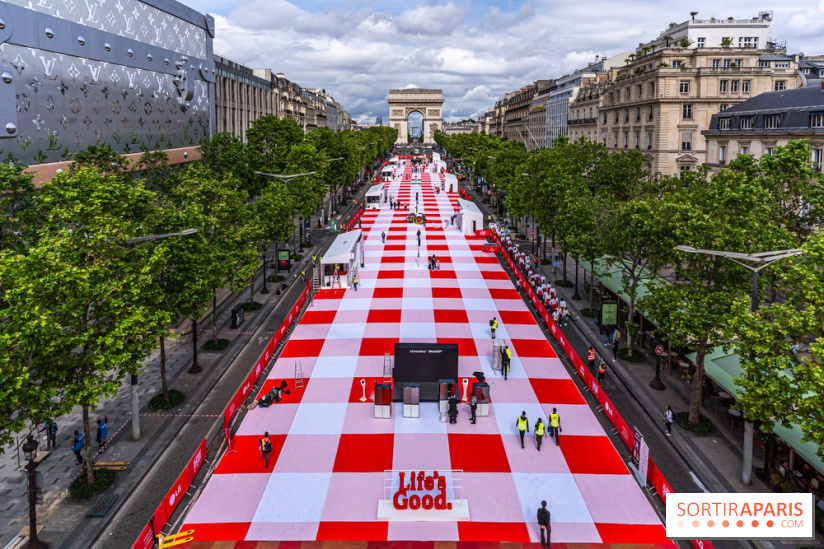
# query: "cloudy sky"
476, 51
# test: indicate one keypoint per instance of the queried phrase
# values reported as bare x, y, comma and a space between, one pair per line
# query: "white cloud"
475, 50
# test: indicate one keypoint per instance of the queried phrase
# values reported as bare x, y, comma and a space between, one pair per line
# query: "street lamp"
758, 261
30, 451
264, 290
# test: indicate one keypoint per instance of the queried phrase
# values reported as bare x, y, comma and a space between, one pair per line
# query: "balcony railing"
583, 121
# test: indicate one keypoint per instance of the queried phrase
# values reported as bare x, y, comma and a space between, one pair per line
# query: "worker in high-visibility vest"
539, 432
555, 426
508, 355
265, 448
523, 426
602, 371
493, 325
591, 357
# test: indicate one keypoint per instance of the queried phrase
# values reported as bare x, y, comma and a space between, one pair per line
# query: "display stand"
411, 400
497, 358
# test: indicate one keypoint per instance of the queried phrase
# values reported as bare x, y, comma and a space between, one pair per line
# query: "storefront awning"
724, 368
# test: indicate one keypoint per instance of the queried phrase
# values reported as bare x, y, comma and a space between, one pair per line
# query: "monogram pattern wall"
137, 75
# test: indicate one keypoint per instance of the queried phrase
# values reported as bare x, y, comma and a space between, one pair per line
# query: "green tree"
732, 213
18, 216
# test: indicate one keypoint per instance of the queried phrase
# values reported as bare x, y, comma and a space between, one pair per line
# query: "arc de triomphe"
429, 103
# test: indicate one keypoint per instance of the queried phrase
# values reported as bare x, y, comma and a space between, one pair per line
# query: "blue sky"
476, 51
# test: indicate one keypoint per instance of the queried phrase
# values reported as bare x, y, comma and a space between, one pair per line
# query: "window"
805, 71
637, 114
780, 85
782, 65
626, 115
604, 137
637, 140
626, 94
817, 120
734, 86
590, 112
615, 140
716, 63
640, 91
685, 168
743, 150
605, 118
727, 62
723, 123
763, 63
626, 139
772, 121
702, 41
685, 86
739, 62
686, 140
652, 89
768, 151
677, 64
722, 154
745, 86
649, 140
686, 111
816, 159
722, 108
748, 42
610, 97
745, 122
649, 114
722, 86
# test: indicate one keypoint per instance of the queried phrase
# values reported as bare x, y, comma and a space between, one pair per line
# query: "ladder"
298, 375
315, 278
387, 368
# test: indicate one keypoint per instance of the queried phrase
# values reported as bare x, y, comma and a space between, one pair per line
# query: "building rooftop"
796, 98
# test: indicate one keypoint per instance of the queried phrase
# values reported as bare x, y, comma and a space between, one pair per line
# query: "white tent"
387, 173
374, 196
470, 218
450, 183
394, 160
341, 261
436, 157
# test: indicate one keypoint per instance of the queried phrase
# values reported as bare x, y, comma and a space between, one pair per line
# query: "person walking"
473, 405
355, 282
523, 426
383, 237
51, 436
669, 417
565, 317
493, 325
265, 448
615, 343
508, 361
539, 432
102, 433
555, 426
591, 358
602, 372
77, 447
544, 523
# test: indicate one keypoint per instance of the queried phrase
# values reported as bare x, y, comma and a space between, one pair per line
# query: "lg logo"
174, 495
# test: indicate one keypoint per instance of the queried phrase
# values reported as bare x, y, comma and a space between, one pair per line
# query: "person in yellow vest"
523, 426
591, 357
508, 356
355, 282
555, 426
539, 432
493, 325
265, 448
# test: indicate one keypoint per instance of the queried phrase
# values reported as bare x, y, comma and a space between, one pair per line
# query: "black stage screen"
425, 364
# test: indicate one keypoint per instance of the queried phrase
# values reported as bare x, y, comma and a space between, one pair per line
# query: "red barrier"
654, 475
146, 539
354, 219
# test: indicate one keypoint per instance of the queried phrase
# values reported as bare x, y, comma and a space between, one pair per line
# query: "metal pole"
135, 409
746, 471
264, 290
33, 541
576, 296
195, 368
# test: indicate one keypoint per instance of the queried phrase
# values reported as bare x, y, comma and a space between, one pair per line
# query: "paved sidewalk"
63, 520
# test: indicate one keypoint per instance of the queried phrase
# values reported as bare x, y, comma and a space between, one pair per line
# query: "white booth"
470, 218
341, 261
450, 183
394, 161
387, 173
374, 197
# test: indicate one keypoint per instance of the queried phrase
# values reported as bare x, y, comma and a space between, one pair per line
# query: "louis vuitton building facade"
136, 74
